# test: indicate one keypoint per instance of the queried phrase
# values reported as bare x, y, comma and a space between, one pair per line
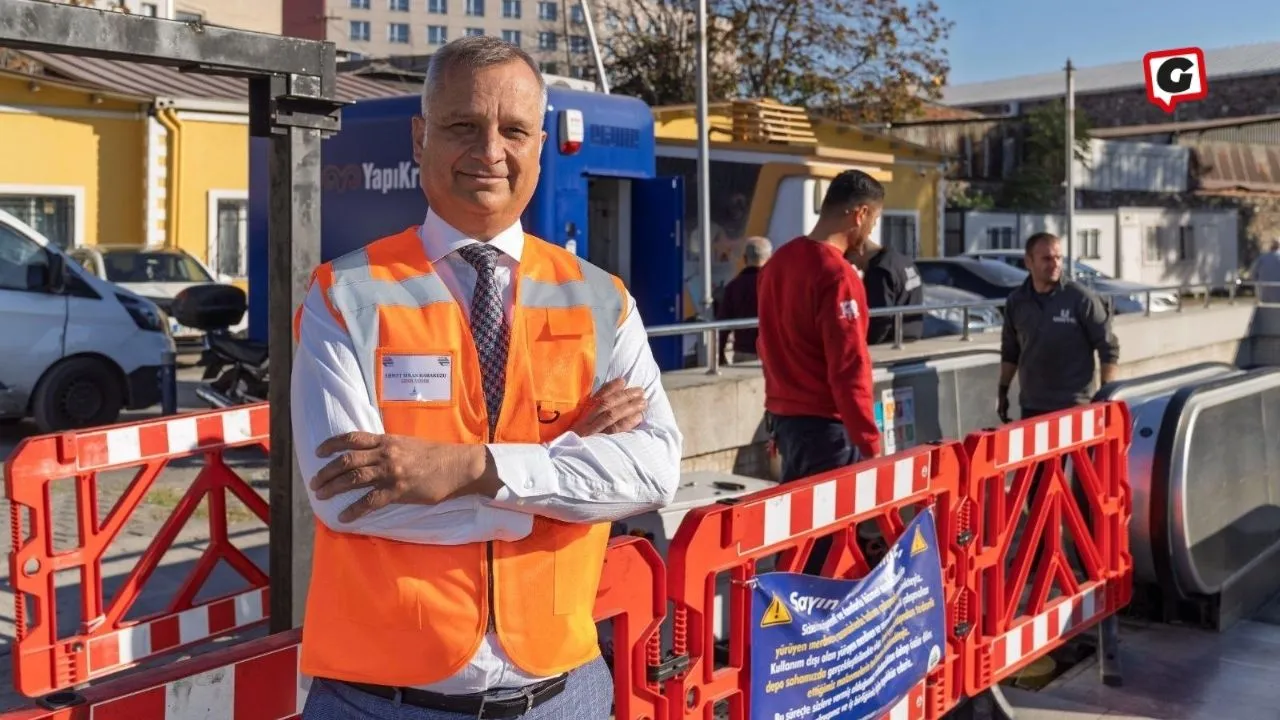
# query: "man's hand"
1002, 404
401, 469
613, 409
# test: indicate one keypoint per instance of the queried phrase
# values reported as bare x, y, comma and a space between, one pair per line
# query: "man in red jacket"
813, 337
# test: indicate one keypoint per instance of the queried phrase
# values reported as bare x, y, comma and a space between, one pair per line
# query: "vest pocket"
555, 417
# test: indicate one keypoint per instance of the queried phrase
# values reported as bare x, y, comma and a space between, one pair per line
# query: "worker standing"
740, 300
453, 394
1053, 329
892, 281
1266, 269
813, 336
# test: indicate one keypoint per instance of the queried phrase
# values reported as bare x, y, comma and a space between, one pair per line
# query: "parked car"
77, 349
1161, 300
994, 280
157, 274
946, 321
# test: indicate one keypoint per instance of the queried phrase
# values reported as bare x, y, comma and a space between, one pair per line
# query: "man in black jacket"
892, 280
1057, 333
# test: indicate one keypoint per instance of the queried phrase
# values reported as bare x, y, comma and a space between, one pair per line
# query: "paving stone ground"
247, 533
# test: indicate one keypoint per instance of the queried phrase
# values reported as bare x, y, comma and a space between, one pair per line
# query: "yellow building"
913, 175
96, 152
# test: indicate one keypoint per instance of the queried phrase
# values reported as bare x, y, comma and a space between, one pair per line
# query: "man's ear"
419, 133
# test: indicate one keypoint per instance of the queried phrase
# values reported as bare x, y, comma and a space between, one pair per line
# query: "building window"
549, 68
1002, 238
1151, 251
475, 8
150, 9
547, 10
899, 232
546, 41
398, 32
359, 4
228, 244
398, 5
472, 32
1087, 242
578, 43
188, 17
512, 36
438, 7
53, 216
511, 9
437, 34
360, 30
576, 14
1186, 243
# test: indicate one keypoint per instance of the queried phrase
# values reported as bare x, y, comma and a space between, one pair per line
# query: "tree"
1038, 182
650, 48
862, 60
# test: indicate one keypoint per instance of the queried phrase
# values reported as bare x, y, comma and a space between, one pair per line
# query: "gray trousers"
587, 695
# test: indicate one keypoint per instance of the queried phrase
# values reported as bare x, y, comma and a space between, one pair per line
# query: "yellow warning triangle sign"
776, 614
918, 545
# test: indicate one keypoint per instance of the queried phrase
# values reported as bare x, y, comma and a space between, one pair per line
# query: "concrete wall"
723, 417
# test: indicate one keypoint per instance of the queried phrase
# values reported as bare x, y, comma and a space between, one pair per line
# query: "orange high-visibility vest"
400, 614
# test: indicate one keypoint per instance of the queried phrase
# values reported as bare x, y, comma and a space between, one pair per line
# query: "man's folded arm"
600, 478
329, 397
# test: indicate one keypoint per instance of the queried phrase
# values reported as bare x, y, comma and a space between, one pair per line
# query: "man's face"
863, 221
479, 148
1045, 262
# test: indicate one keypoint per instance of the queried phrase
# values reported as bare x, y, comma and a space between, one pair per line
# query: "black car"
991, 280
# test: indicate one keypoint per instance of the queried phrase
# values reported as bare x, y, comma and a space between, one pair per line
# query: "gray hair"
476, 52
756, 250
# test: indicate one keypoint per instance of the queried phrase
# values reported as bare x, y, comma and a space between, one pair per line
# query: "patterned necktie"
488, 327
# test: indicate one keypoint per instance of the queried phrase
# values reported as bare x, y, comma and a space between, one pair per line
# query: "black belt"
496, 704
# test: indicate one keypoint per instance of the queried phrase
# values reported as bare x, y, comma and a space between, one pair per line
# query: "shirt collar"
440, 239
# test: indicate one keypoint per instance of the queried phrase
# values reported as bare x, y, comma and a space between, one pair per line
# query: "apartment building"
553, 31
257, 15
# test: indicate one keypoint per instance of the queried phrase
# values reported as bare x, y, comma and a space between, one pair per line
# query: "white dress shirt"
576, 479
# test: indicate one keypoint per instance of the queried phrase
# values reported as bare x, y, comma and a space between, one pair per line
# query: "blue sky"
994, 39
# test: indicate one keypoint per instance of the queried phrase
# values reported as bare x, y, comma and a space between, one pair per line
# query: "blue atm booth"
598, 196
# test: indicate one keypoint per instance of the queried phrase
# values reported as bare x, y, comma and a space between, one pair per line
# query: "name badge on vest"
417, 378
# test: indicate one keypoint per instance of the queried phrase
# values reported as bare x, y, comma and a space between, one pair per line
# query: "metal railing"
711, 329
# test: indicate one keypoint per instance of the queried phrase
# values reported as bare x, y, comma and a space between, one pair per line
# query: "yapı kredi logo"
1175, 76
370, 176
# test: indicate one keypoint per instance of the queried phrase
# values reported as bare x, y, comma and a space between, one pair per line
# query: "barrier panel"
787, 520
1013, 624
261, 679
105, 642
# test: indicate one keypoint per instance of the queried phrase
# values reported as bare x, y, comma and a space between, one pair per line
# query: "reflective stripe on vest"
356, 294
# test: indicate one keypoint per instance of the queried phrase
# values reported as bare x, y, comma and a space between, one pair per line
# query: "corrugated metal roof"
1235, 166
168, 82
1221, 63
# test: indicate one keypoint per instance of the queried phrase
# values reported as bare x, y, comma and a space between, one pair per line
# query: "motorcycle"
235, 370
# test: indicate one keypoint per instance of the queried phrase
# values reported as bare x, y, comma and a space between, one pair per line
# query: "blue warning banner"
823, 648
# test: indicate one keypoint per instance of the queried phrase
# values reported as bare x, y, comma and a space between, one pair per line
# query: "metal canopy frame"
291, 101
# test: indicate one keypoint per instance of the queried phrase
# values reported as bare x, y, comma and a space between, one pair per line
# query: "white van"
74, 349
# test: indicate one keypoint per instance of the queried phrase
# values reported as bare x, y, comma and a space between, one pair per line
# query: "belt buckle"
528, 704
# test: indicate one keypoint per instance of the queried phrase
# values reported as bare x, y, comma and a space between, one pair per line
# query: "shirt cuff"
526, 471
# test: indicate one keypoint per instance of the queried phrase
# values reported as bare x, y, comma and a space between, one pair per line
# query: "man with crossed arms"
471, 407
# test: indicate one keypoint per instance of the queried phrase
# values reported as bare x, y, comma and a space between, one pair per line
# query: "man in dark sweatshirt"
1053, 327
892, 280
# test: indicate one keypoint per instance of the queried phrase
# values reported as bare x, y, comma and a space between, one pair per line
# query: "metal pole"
595, 47
293, 250
1070, 120
704, 176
